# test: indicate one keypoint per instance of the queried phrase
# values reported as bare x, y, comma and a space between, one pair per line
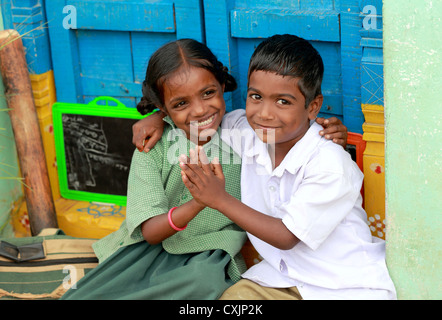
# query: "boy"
300, 194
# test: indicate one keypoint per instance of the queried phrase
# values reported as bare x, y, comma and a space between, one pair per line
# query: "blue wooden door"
235, 27
101, 47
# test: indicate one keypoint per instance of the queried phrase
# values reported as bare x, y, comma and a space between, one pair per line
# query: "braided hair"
169, 58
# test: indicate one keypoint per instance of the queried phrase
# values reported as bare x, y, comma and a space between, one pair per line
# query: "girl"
169, 246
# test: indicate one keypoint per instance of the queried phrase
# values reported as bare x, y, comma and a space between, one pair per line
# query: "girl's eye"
180, 104
209, 93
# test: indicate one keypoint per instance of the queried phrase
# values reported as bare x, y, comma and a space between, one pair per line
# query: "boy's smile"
276, 107
193, 98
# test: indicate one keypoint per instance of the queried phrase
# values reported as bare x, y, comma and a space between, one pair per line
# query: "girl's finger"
204, 161
193, 172
217, 168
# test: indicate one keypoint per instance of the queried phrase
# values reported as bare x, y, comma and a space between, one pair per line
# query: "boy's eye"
255, 96
282, 102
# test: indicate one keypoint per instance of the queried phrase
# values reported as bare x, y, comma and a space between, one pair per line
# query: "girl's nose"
199, 108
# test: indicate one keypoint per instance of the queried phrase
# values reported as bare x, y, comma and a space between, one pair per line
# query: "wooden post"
18, 91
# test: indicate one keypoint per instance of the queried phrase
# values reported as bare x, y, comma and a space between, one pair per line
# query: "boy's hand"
204, 180
148, 131
333, 130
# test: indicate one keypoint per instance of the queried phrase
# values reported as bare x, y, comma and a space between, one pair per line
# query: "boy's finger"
320, 120
341, 142
335, 129
332, 121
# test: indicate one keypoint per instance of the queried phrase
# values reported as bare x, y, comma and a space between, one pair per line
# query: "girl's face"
194, 100
275, 107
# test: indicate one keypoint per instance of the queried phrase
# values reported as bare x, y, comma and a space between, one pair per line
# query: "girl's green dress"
197, 263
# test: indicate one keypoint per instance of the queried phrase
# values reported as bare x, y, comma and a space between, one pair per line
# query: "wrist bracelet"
169, 217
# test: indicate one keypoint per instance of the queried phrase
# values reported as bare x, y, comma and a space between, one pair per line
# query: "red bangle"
169, 217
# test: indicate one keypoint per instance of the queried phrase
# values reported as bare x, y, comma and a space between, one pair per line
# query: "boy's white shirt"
316, 192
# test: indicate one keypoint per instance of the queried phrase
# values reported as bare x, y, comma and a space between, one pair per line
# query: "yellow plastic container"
374, 168
88, 219
43, 88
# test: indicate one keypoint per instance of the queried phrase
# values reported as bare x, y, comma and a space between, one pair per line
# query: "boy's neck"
277, 154
278, 151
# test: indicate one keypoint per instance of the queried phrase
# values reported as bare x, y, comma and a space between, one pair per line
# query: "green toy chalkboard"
94, 149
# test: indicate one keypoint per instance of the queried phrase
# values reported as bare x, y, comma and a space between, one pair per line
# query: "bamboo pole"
24, 121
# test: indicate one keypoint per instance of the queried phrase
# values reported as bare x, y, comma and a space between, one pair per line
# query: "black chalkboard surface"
94, 149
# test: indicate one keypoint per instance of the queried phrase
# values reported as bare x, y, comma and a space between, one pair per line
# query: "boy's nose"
265, 112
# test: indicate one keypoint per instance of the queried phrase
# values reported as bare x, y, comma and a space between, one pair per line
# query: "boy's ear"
315, 106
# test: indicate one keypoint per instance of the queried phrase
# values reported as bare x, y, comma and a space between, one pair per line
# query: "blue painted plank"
319, 5
105, 54
290, 4
217, 26
189, 17
372, 72
106, 87
311, 25
144, 44
351, 54
64, 55
124, 15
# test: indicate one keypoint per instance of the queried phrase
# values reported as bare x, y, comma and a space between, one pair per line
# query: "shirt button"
272, 188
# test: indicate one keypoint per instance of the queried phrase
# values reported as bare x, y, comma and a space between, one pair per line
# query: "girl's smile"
205, 123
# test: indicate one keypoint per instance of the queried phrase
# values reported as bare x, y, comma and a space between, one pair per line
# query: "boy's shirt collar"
256, 151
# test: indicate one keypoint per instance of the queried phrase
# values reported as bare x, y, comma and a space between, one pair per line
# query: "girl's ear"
315, 106
163, 110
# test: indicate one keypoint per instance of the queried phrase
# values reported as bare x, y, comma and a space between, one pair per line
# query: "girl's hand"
204, 180
333, 130
148, 131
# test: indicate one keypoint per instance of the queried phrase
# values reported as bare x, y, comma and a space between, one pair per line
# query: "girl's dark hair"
169, 58
289, 55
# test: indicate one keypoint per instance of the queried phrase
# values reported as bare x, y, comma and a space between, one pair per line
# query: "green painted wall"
413, 154
10, 190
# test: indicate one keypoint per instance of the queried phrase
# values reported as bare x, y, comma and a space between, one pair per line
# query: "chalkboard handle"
106, 100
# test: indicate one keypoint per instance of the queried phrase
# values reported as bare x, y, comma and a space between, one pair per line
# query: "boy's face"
276, 106
193, 99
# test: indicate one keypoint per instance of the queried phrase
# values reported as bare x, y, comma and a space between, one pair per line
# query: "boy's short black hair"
289, 55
